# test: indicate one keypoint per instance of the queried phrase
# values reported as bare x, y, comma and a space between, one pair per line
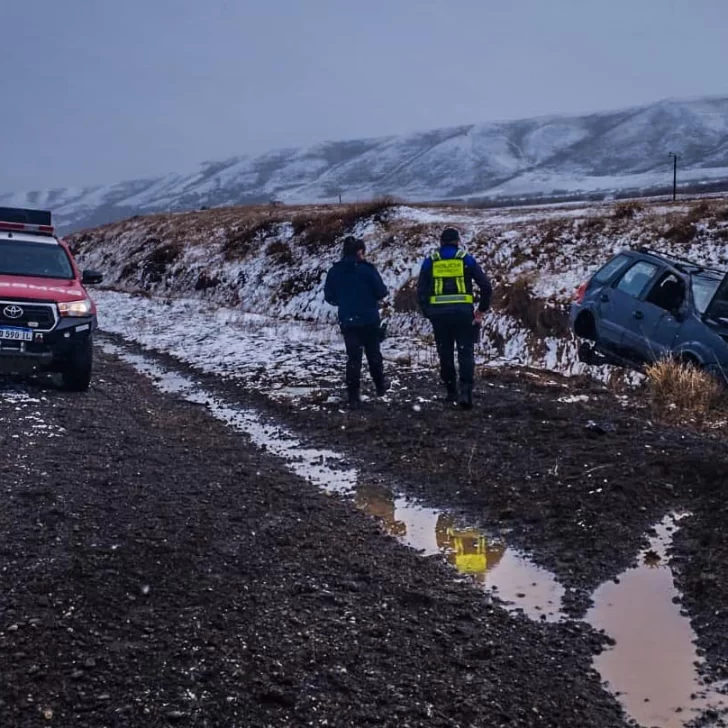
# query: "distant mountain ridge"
602, 152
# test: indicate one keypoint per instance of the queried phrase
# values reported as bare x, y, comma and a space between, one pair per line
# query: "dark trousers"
359, 340
455, 330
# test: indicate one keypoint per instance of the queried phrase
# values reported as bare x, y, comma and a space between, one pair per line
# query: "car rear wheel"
585, 327
76, 375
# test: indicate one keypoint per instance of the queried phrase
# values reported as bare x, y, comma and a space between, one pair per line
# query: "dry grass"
240, 241
627, 210
323, 230
678, 390
165, 254
682, 232
553, 230
299, 282
517, 300
205, 281
245, 227
316, 227
280, 251
685, 229
592, 225
700, 210
722, 214
405, 298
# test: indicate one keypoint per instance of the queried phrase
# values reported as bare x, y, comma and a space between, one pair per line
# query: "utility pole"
674, 175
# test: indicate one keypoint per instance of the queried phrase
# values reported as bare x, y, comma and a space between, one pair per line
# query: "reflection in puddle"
653, 664
486, 558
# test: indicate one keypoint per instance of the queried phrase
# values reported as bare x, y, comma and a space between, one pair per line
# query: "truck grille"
38, 316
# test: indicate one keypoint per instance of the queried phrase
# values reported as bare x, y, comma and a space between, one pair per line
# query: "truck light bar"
21, 214
22, 227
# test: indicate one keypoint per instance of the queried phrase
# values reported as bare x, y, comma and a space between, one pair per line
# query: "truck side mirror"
91, 277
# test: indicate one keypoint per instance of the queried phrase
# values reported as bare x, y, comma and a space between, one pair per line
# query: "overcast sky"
98, 91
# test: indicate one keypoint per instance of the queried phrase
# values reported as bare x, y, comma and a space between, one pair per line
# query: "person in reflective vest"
445, 295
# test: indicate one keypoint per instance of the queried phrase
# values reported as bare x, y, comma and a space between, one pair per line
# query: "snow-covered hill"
611, 151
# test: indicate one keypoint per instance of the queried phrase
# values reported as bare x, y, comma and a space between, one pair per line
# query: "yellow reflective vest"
448, 279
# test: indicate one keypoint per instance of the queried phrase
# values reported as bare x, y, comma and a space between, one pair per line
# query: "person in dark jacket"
445, 295
356, 288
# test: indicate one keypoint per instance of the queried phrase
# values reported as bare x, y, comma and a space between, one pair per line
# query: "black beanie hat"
449, 235
351, 246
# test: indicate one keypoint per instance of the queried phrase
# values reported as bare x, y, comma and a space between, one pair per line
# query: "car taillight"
581, 292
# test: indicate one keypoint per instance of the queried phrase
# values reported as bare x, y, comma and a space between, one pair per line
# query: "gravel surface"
158, 570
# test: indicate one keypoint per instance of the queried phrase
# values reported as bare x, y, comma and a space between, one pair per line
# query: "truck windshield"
704, 288
41, 260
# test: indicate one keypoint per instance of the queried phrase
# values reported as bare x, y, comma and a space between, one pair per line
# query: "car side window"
610, 269
637, 278
668, 293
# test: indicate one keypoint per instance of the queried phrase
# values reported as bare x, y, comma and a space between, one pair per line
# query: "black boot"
466, 396
353, 398
382, 386
452, 392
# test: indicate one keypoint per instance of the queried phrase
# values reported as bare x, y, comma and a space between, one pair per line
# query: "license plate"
11, 334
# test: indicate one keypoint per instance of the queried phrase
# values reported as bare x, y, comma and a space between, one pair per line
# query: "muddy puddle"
653, 666
473, 552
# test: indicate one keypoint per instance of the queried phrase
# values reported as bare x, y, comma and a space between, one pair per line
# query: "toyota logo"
13, 312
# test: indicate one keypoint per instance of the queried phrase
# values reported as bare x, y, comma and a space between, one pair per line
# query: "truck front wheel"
76, 374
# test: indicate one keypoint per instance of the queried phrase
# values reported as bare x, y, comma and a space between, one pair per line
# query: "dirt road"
577, 476
157, 569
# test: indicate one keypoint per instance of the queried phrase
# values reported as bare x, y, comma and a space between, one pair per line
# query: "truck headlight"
75, 308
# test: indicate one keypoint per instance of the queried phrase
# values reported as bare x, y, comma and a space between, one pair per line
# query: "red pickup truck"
47, 318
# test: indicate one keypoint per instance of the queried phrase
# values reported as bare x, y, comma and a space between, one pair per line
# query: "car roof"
28, 238
689, 267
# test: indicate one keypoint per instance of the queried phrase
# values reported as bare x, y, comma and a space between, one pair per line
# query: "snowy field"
239, 291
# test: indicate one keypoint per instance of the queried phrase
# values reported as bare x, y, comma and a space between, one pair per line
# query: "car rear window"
608, 271
637, 278
704, 288
42, 260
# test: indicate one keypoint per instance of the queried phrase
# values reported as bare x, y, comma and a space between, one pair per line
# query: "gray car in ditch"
643, 306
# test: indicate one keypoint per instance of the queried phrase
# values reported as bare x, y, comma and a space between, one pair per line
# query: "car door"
664, 334
617, 307
654, 325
